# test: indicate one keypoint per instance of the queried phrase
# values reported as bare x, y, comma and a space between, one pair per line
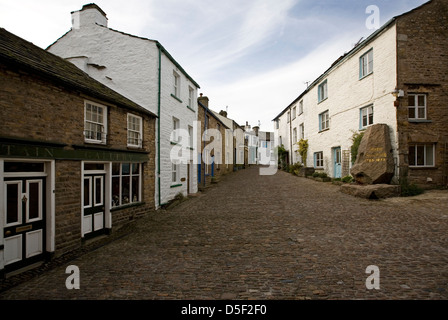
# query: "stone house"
389, 78
144, 71
211, 145
76, 158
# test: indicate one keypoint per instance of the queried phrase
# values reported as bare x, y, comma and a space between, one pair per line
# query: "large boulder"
375, 162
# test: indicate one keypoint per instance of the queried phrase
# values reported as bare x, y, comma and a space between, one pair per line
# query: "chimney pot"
90, 15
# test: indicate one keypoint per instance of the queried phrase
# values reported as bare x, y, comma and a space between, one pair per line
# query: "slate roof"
21, 54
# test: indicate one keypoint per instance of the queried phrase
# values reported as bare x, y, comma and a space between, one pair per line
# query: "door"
24, 231
337, 155
94, 205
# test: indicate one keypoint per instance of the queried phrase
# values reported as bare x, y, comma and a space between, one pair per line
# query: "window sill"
126, 206
97, 142
363, 77
324, 130
424, 168
322, 100
419, 121
191, 109
176, 98
131, 147
176, 186
174, 143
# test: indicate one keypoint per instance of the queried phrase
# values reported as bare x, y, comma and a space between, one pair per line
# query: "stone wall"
422, 43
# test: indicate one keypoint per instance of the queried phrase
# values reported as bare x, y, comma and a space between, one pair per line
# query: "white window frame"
176, 126
132, 130
366, 64
322, 91
324, 121
425, 155
294, 135
288, 116
300, 107
319, 159
175, 173
416, 106
120, 181
366, 113
176, 84
294, 113
302, 131
191, 98
102, 124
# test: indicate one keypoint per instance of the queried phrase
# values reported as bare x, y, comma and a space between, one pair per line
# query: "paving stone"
264, 237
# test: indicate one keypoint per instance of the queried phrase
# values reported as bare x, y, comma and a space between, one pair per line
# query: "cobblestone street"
267, 237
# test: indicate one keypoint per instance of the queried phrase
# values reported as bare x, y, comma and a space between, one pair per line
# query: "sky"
250, 57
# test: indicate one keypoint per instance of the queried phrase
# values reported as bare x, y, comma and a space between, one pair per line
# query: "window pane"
34, 200
135, 189
93, 166
430, 155
115, 191
412, 113
125, 190
126, 167
86, 192
411, 101
98, 191
135, 169
12, 206
412, 155
421, 113
420, 155
116, 169
421, 100
24, 167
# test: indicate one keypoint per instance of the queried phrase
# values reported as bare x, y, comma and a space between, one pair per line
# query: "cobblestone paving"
267, 237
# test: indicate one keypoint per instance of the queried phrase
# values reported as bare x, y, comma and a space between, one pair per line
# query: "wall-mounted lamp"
398, 93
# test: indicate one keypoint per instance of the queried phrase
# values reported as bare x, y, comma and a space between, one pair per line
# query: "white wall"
347, 94
130, 66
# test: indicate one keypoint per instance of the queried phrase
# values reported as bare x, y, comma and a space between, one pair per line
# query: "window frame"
319, 160
191, 98
120, 177
300, 107
175, 127
322, 91
176, 84
326, 122
175, 173
416, 106
103, 124
302, 130
139, 132
425, 154
368, 116
366, 69
294, 113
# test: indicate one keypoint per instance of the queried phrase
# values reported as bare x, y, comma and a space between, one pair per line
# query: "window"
95, 123
126, 183
366, 64
135, 131
190, 136
175, 173
176, 79
417, 106
322, 91
294, 135
302, 131
277, 124
280, 142
176, 126
319, 160
366, 117
324, 121
422, 155
288, 116
294, 113
300, 107
191, 98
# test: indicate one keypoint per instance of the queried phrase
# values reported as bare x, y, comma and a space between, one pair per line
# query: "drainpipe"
158, 124
290, 138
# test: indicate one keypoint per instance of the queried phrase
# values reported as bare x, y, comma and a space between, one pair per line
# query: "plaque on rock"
375, 162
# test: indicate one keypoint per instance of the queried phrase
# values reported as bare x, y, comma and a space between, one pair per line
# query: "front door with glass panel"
337, 156
94, 206
24, 231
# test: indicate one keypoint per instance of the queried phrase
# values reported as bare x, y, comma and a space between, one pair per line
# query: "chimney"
223, 113
256, 129
203, 100
89, 16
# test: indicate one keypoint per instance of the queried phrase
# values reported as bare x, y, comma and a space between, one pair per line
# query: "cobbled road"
267, 237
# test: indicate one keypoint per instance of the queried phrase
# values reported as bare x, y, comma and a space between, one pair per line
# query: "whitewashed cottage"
142, 70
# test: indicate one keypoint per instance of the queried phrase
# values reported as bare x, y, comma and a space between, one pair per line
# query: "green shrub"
347, 179
295, 167
356, 139
320, 175
409, 190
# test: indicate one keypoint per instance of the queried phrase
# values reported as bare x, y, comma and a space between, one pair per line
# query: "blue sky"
252, 56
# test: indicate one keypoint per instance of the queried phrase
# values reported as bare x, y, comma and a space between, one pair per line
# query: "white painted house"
355, 92
143, 71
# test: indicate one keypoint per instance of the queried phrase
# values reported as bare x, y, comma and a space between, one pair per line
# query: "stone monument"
375, 161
